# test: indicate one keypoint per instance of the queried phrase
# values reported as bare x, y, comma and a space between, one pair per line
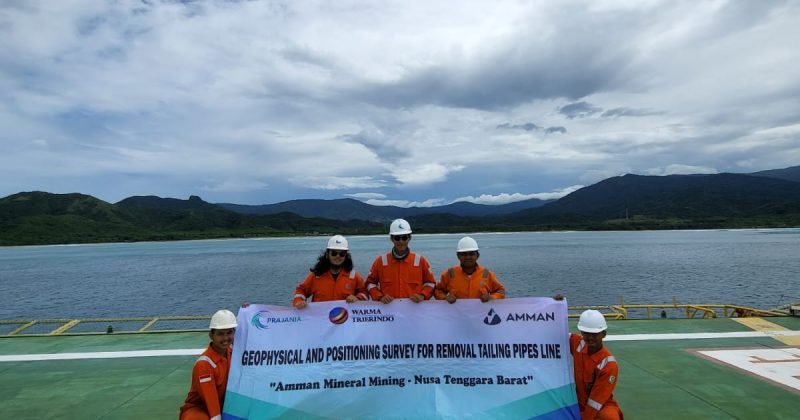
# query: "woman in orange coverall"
596, 369
332, 278
468, 280
210, 372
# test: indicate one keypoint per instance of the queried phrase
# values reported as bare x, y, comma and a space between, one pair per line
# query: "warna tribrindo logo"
338, 315
492, 318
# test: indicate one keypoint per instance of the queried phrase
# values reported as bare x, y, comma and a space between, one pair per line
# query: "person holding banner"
468, 280
400, 273
332, 277
210, 373
596, 369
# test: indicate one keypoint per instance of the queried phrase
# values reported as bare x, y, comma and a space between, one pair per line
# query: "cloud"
527, 126
336, 182
424, 174
559, 129
416, 101
235, 186
385, 147
367, 196
679, 169
579, 110
505, 198
432, 202
629, 112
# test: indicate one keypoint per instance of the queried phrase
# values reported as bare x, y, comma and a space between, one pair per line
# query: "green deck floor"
658, 379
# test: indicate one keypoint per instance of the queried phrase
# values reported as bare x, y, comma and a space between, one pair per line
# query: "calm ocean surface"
748, 267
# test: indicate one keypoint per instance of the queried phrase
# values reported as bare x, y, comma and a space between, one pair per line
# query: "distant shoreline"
201, 237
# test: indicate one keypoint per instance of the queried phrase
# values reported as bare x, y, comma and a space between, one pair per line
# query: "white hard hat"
338, 242
399, 227
592, 321
467, 244
222, 320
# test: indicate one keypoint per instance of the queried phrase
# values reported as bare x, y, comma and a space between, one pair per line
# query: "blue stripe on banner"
549, 404
542, 406
570, 412
238, 407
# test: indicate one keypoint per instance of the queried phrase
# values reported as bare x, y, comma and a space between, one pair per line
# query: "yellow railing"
45, 327
688, 311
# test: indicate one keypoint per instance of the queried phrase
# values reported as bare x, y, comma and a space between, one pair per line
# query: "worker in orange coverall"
400, 273
468, 280
210, 372
332, 277
596, 369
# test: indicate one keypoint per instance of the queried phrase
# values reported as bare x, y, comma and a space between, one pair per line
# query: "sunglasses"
337, 253
468, 253
401, 237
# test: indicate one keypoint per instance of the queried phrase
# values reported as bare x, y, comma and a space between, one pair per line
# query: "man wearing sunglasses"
400, 273
332, 277
468, 280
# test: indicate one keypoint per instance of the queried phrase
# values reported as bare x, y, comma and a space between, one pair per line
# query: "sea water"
759, 268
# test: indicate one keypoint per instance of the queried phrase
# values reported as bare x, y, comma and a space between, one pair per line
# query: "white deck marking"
99, 355
778, 365
696, 336
194, 352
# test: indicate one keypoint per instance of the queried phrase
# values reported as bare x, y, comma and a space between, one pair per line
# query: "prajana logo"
260, 320
492, 318
338, 315
263, 319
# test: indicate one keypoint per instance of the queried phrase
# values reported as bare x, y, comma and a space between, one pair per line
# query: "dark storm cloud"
580, 109
491, 87
378, 143
527, 126
573, 60
559, 129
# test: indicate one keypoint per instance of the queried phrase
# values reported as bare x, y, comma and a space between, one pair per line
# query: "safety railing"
51, 327
133, 325
678, 310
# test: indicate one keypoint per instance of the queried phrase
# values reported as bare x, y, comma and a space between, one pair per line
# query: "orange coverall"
400, 278
209, 380
595, 379
325, 288
472, 286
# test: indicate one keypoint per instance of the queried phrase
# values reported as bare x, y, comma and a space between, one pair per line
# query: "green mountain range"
762, 199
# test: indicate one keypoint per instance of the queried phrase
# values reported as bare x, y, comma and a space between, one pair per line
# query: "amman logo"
491, 318
338, 315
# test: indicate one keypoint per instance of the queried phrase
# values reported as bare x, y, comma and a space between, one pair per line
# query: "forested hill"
762, 199
708, 199
30, 218
348, 209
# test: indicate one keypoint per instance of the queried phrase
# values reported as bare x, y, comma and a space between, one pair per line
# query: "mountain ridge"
763, 199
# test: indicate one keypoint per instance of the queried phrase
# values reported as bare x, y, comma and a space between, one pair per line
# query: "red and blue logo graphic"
338, 315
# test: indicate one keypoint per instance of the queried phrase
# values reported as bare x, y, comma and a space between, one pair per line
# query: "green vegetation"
39, 218
630, 202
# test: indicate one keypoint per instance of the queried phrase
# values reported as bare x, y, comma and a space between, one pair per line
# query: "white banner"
504, 358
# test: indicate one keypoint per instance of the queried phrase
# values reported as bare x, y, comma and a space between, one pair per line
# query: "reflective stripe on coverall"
595, 378
464, 286
209, 380
400, 278
324, 288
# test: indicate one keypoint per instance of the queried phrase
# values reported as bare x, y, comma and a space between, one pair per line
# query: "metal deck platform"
713, 368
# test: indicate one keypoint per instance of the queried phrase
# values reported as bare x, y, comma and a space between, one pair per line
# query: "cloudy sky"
391, 102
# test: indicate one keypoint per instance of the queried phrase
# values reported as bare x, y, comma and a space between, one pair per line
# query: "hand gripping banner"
505, 358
